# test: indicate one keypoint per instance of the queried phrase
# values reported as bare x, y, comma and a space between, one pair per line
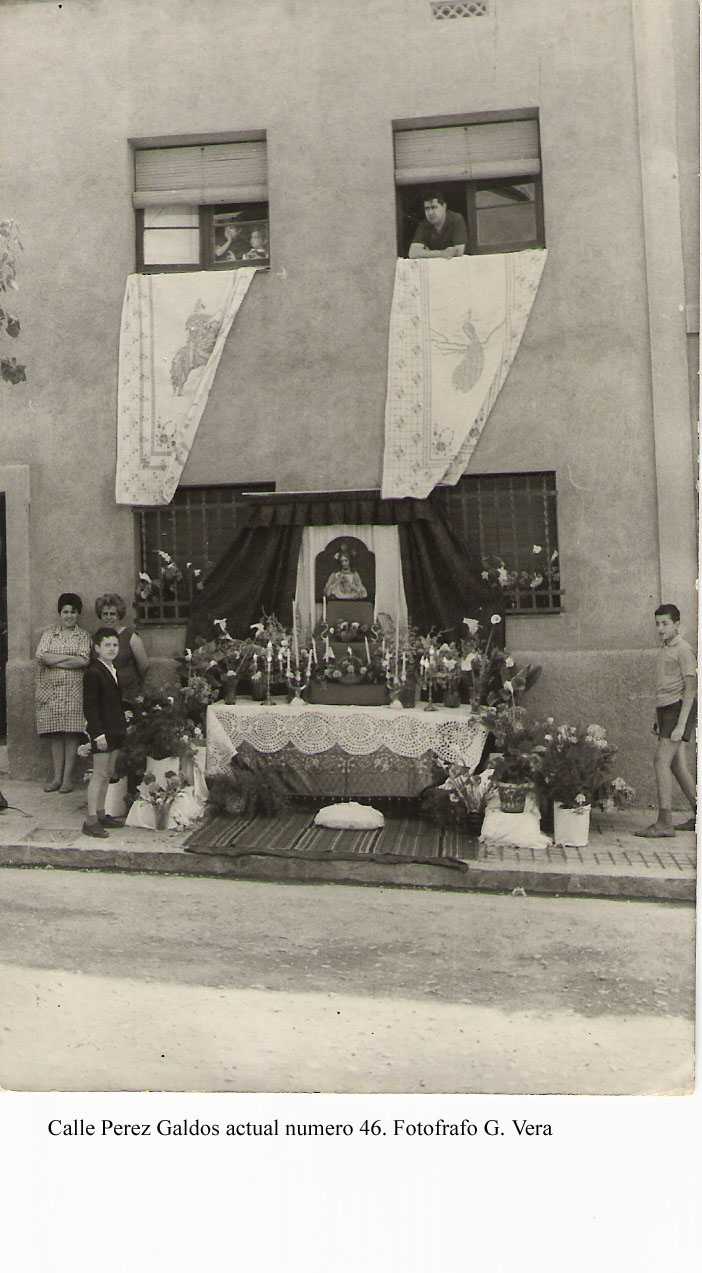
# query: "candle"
404, 665
269, 653
365, 642
313, 651
288, 666
309, 664
324, 607
296, 644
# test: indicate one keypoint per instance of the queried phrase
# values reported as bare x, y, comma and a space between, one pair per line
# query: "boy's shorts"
114, 743
668, 718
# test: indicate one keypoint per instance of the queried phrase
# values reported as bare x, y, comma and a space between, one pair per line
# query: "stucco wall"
299, 394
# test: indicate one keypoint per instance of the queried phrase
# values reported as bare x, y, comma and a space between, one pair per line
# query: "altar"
347, 751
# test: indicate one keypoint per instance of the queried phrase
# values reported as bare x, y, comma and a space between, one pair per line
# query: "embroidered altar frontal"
347, 751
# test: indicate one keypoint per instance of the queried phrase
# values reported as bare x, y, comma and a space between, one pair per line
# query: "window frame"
256, 194
469, 185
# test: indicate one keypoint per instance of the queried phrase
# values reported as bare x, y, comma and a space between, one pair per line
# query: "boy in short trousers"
676, 717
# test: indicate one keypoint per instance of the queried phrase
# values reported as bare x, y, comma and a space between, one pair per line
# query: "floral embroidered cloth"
173, 331
452, 736
455, 328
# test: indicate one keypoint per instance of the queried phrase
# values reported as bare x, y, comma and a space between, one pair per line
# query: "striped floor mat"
294, 835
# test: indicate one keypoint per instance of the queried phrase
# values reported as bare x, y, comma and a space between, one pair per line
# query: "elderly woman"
132, 662
62, 655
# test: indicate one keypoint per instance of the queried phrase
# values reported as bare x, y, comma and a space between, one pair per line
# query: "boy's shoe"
656, 832
107, 820
94, 828
686, 826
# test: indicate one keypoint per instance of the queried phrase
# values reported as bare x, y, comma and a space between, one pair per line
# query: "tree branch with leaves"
11, 370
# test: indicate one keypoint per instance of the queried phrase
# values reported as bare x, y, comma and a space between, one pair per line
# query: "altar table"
348, 751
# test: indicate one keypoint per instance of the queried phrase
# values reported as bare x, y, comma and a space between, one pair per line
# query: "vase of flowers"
460, 801
575, 772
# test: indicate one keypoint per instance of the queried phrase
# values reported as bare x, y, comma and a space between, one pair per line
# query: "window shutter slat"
231, 172
508, 148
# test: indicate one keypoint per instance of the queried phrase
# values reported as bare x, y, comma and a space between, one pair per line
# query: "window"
489, 172
503, 518
202, 207
195, 530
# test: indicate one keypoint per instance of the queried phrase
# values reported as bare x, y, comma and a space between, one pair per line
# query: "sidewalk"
44, 830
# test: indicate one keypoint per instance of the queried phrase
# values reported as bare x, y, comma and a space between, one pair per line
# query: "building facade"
599, 402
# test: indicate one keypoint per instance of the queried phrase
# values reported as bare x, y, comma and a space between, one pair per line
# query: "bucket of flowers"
157, 737
575, 772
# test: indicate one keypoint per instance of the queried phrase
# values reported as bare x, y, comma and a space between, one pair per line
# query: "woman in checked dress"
62, 655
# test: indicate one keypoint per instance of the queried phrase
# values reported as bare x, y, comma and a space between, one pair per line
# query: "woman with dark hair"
132, 662
62, 655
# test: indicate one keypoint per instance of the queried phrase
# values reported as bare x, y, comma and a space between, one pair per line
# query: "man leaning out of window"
441, 233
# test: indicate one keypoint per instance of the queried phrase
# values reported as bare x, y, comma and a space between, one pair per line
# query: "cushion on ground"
350, 817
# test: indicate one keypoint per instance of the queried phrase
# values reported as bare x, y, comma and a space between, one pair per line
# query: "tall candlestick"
365, 641
296, 644
324, 607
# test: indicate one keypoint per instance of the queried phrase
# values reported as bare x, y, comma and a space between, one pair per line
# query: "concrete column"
23, 748
674, 458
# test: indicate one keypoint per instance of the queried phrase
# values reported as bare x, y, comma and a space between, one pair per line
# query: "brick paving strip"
44, 830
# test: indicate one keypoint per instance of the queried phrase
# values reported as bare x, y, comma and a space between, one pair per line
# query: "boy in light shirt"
676, 716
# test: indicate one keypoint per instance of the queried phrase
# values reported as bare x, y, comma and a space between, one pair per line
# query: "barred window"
503, 518
195, 530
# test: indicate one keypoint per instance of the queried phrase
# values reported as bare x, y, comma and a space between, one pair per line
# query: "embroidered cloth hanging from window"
455, 328
173, 331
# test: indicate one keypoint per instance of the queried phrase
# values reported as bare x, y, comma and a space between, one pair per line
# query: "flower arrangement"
170, 581
517, 738
575, 767
491, 674
545, 573
160, 795
157, 728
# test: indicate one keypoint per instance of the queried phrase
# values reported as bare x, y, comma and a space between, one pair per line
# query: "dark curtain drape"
258, 573
442, 579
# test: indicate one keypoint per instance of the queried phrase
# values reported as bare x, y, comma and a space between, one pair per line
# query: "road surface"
117, 982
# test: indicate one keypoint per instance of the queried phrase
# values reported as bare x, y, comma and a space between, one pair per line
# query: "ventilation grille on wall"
459, 9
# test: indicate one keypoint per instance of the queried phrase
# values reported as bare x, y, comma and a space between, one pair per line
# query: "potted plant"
516, 767
575, 772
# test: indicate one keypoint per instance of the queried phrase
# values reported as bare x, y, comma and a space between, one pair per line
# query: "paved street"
134, 982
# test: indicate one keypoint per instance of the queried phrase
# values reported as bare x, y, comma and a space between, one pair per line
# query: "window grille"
502, 517
459, 9
195, 530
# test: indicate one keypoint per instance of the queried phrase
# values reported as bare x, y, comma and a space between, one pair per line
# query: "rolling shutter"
226, 172
509, 148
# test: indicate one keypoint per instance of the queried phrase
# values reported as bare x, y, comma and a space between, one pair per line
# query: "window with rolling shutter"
488, 171
201, 206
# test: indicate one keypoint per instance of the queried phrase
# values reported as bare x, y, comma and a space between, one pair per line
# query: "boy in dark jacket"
106, 725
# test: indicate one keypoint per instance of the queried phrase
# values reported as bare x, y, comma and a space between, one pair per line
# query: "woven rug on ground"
294, 835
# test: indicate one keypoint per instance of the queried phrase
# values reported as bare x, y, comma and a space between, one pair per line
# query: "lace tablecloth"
451, 735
